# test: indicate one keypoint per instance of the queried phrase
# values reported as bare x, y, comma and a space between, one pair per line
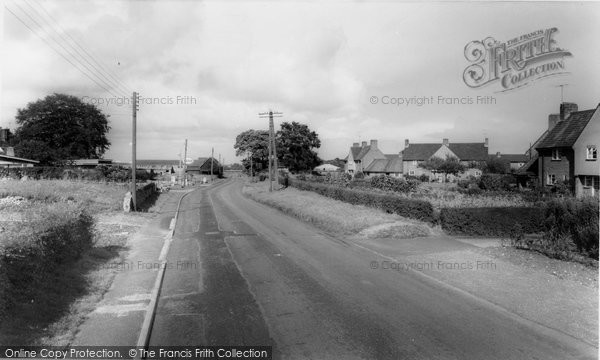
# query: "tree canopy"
59, 128
295, 144
450, 165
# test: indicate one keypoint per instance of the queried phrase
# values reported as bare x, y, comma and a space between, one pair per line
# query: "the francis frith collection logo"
514, 63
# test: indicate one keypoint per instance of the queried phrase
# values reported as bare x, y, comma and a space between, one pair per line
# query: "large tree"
60, 128
255, 144
295, 144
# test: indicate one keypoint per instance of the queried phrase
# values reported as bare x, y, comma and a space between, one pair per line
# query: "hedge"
416, 209
492, 221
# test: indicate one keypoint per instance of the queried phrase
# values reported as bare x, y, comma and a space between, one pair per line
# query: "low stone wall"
143, 195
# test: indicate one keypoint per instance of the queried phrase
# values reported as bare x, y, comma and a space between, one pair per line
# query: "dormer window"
555, 154
591, 153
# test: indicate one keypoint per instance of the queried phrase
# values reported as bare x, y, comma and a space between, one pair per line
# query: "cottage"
471, 155
370, 160
568, 150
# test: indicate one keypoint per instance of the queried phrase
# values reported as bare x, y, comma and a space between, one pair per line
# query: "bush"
492, 221
359, 175
388, 183
572, 221
495, 182
416, 209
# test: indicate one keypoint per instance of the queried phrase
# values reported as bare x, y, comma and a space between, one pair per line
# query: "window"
551, 180
415, 162
591, 153
555, 154
411, 172
588, 181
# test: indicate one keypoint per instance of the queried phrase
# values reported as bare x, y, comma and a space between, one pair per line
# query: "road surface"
245, 274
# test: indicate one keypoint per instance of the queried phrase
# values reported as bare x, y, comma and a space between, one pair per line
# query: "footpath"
118, 317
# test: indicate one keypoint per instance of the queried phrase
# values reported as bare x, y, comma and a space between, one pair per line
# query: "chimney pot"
406, 143
374, 144
364, 143
566, 109
445, 142
486, 143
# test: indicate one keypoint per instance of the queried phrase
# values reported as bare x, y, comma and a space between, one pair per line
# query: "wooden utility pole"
134, 109
212, 155
272, 146
185, 164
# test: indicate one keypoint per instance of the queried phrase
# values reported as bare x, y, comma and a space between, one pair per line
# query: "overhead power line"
100, 77
59, 53
100, 66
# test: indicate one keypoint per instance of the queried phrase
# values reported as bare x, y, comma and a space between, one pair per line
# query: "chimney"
486, 143
406, 143
355, 145
552, 120
374, 144
10, 151
445, 142
364, 143
566, 109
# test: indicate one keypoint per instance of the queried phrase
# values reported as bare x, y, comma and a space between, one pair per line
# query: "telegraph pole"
272, 145
134, 109
212, 154
185, 164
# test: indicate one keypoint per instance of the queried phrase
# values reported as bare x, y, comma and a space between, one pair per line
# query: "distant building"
325, 168
203, 165
471, 155
9, 160
89, 163
513, 161
370, 160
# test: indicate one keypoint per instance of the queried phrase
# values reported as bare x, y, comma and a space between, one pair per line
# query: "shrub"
388, 183
416, 209
359, 175
491, 221
495, 182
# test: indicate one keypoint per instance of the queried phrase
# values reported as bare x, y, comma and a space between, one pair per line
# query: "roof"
512, 157
326, 167
17, 159
391, 164
157, 162
566, 132
363, 151
464, 151
355, 151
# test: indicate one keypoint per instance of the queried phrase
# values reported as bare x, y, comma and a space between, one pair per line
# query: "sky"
205, 70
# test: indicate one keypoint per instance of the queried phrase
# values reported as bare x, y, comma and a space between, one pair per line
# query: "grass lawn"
336, 216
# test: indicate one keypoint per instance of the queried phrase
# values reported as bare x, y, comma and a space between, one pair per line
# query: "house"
205, 166
89, 163
370, 160
568, 151
161, 167
471, 155
9, 160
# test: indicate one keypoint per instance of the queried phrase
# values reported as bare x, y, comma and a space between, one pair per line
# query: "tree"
495, 165
255, 144
295, 144
59, 128
450, 165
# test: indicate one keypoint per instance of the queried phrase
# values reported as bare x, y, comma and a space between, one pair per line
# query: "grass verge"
336, 216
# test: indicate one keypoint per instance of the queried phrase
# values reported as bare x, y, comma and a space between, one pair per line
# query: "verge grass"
336, 216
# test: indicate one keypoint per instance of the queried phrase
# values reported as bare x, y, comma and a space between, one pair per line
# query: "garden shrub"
495, 182
388, 183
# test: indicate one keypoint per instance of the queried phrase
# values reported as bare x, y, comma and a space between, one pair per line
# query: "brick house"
471, 155
370, 160
569, 150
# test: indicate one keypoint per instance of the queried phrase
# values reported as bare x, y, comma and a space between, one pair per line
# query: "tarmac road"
245, 274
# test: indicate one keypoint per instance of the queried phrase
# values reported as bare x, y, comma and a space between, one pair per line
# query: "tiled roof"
363, 151
464, 151
355, 151
566, 132
391, 164
419, 151
512, 157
